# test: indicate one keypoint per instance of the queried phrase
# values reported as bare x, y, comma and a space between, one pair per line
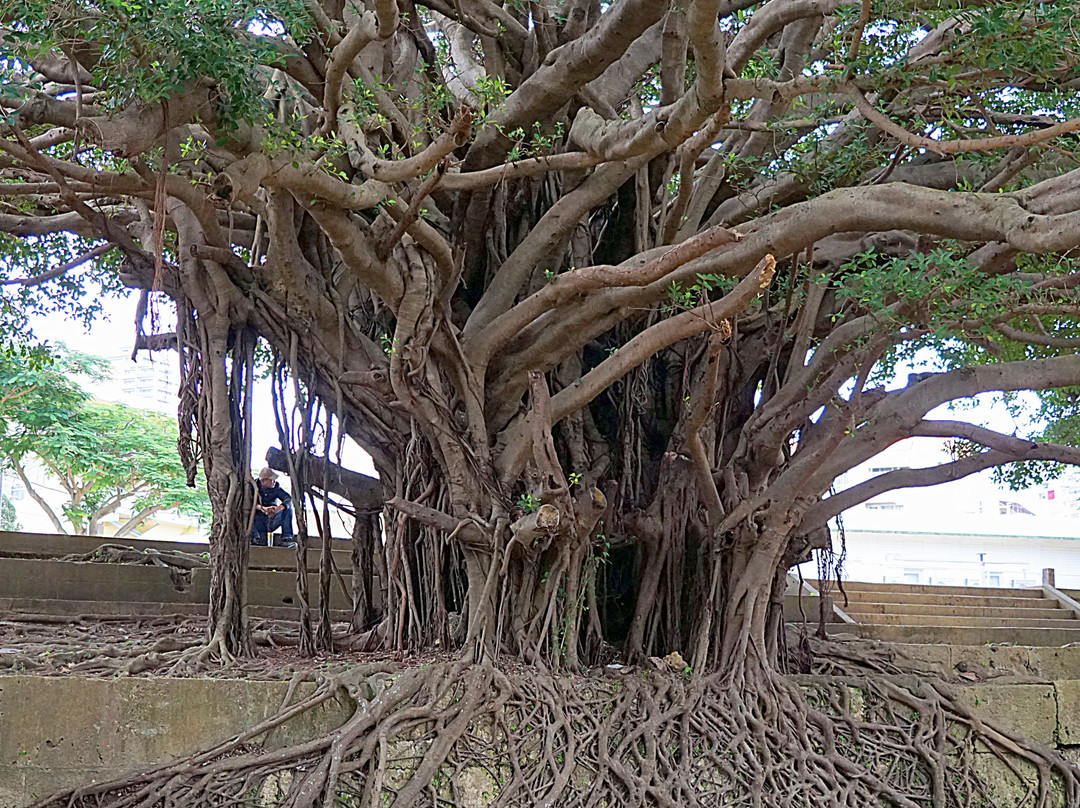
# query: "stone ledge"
64, 731
1068, 706
44, 579
50, 545
1028, 710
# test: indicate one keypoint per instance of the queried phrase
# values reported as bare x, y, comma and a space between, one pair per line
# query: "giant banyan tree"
611, 292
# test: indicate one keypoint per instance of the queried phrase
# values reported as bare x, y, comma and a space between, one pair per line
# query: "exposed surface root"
453, 734
179, 563
125, 554
173, 645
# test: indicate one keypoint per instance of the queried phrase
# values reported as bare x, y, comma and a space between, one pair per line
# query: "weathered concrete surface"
57, 732
55, 580
902, 613
1009, 787
953, 635
122, 608
851, 587
1029, 710
49, 545
982, 663
1068, 712
867, 596
46, 579
990, 661
795, 608
1031, 608
34, 580
1051, 619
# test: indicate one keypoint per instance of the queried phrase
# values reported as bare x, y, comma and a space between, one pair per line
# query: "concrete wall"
37, 579
57, 732
51, 545
33, 579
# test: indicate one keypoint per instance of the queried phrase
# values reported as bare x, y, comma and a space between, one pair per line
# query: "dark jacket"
273, 495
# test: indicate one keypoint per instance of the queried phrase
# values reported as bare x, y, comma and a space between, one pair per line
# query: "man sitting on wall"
273, 510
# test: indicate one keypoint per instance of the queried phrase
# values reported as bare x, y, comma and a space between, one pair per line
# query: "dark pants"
264, 524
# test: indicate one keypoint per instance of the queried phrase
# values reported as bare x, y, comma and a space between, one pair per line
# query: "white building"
150, 382
971, 532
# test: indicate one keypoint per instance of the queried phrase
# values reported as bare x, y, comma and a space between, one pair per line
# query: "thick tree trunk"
223, 433
365, 534
749, 574
228, 568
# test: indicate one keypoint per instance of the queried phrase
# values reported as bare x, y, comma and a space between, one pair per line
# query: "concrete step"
987, 661
50, 546
933, 589
951, 635
63, 580
1065, 621
1035, 609
125, 609
944, 600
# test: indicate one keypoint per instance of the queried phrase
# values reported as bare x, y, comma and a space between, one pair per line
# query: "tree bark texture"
609, 293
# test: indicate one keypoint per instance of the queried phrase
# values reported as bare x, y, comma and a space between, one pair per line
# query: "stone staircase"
959, 615
34, 580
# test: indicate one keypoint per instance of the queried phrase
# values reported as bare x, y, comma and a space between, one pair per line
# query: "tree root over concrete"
456, 734
163, 645
123, 554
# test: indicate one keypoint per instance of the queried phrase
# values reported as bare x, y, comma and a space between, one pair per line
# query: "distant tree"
108, 458
8, 519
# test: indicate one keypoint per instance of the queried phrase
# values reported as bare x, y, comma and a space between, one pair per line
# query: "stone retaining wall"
51, 580
57, 732
51, 545
65, 731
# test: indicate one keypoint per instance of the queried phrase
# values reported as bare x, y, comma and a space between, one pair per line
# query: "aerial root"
423, 736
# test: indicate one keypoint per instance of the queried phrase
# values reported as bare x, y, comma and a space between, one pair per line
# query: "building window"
883, 469
1012, 507
884, 506
995, 580
911, 576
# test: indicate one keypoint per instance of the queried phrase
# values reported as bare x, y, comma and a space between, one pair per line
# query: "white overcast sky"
114, 333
